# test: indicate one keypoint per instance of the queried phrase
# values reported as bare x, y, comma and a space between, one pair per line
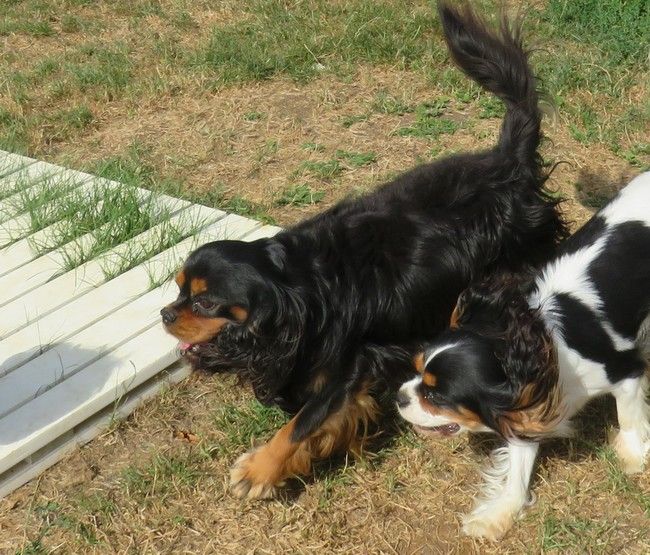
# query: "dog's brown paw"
255, 476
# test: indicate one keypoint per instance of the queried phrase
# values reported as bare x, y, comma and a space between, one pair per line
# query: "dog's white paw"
489, 526
631, 450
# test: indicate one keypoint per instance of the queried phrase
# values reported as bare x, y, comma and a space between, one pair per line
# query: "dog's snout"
168, 316
402, 399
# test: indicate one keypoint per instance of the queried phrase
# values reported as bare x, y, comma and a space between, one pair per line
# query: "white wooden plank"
75, 283
64, 322
262, 232
27, 249
40, 270
54, 451
64, 359
21, 225
13, 205
10, 163
56, 411
44, 169
36, 172
21, 252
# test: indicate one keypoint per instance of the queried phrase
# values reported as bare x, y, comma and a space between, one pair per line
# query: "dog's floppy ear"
485, 303
530, 364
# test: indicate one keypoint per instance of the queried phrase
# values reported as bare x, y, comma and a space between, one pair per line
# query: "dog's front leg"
632, 442
314, 433
505, 491
259, 472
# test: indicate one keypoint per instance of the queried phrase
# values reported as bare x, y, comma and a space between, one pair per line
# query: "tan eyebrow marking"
429, 379
180, 278
198, 286
418, 362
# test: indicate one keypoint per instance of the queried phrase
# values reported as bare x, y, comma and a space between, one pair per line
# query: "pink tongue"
184, 346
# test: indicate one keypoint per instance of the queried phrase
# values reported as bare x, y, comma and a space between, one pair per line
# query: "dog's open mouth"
444, 430
189, 348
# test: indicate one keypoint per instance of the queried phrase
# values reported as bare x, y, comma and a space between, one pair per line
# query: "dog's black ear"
277, 254
487, 304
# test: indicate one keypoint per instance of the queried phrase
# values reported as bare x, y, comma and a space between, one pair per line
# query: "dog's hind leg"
258, 473
632, 442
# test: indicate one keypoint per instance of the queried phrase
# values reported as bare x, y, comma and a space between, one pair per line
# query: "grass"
325, 170
237, 426
273, 110
356, 159
313, 37
575, 535
621, 483
428, 121
299, 195
385, 103
617, 29
162, 477
97, 222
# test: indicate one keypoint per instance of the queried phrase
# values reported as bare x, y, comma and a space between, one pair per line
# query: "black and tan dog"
325, 314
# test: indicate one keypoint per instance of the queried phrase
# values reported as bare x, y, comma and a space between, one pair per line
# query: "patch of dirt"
214, 141
250, 140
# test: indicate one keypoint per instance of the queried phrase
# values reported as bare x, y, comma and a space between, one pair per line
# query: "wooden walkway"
77, 349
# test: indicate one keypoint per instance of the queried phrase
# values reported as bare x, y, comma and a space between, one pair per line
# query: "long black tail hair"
497, 61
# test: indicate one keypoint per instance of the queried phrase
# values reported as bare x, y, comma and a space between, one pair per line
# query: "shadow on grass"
594, 190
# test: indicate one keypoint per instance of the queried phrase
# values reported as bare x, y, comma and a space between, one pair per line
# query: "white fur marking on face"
413, 412
437, 351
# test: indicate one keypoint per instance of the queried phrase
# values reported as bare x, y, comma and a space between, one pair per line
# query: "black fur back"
372, 277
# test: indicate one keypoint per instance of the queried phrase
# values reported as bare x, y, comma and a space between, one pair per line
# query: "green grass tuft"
238, 426
299, 195
356, 159
578, 535
162, 477
244, 207
618, 29
428, 122
34, 28
326, 170
387, 104
303, 39
14, 135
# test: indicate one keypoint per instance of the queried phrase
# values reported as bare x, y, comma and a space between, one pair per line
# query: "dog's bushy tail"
497, 61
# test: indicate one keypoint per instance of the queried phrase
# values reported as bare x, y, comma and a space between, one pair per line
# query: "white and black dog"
523, 356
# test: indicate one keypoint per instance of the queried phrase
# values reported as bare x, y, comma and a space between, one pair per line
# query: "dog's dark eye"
203, 304
431, 395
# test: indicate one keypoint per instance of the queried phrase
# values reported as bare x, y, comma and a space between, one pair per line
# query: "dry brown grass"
405, 498
141, 487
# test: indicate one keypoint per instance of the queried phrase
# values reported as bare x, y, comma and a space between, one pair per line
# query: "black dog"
327, 313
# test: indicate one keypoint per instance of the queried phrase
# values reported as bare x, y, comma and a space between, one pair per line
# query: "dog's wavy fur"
344, 298
523, 354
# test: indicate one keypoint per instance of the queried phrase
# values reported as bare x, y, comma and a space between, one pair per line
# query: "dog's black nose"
402, 399
168, 316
